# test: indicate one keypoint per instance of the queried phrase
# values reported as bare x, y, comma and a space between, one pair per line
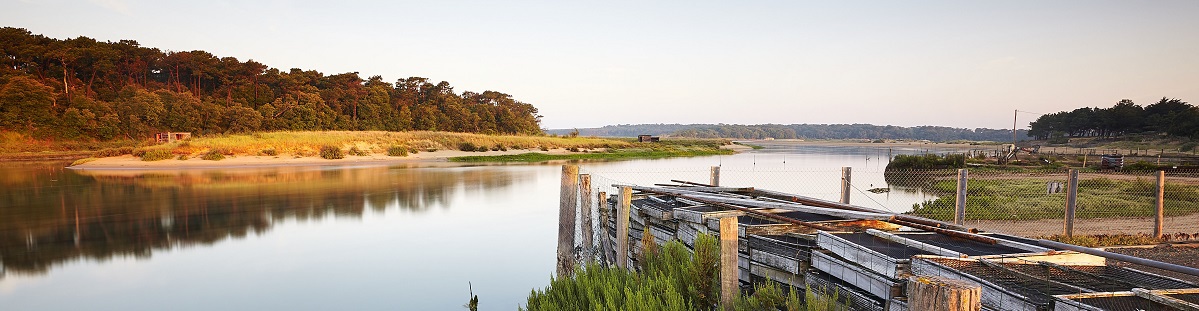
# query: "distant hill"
800, 131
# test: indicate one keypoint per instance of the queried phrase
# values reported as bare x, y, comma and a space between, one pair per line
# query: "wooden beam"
622, 227
934, 293
585, 208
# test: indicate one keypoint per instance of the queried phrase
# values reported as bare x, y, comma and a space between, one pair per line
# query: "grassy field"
1004, 197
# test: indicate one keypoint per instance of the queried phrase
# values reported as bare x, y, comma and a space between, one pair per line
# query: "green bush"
1188, 146
139, 152
467, 146
332, 153
481, 149
183, 157
354, 151
156, 155
213, 155
397, 151
270, 152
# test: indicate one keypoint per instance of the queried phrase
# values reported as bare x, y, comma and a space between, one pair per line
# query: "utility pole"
1014, 114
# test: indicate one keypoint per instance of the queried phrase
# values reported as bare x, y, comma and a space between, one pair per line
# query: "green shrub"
573, 149
332, 152
466, 146
213, 155
397, 151
156, 155
354, 151
544, 148
1142, 166
139, 152
270, 152
481, 149
183, 157
1188, 146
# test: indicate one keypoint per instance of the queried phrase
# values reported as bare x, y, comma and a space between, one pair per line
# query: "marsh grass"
1025, 199
370, 142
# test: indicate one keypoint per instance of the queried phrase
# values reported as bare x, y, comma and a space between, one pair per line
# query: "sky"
592, 63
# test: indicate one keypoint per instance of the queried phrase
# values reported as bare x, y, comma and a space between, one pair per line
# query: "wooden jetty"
867, 257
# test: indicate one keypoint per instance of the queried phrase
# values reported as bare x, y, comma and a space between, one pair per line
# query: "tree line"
82, 88
805, 131
1168, 115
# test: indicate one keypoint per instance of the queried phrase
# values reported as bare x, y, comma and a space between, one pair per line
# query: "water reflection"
50, 215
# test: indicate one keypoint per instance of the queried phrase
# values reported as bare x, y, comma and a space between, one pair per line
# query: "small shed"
170, 137
648, 138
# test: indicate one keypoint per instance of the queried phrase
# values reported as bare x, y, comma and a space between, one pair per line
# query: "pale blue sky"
950, 63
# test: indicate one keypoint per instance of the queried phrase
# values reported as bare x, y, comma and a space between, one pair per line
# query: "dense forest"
803, 131
1168, 115
82, 88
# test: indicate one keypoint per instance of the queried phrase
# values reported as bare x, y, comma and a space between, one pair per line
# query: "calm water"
333, 237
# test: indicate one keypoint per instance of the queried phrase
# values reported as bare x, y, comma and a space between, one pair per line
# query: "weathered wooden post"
605, 240
934, 293
845, 175
729, 278
622, 227
714, 179
585, 216
1159, 221
568, 201
1071, 201
959, 216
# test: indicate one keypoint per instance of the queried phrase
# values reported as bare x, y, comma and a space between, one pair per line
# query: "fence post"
622, 227
1071, 202
714, 179
959, 216
1159, 221
729, 278
585, 216
845, 175
568, 202
605, 217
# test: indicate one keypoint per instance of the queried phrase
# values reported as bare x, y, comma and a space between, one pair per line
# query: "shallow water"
335, 237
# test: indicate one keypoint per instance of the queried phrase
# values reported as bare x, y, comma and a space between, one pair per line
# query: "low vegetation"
1105, 240
927, 161
669, 278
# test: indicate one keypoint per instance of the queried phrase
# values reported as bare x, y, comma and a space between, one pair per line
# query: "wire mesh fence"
1025, 202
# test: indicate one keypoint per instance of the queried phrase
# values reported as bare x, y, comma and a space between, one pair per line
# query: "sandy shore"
131, 162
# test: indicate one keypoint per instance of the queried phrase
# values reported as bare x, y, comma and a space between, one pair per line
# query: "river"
404, 237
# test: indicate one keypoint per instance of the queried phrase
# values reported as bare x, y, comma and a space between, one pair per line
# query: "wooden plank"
585, 208
1165, 300
867, 281
866, 257
993, 296
770, 273
789, 265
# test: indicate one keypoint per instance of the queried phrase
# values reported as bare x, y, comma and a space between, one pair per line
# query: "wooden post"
622, 227
1071, 201
714, 180
585, 216
568, 202
605, 239
729, 278
845, 176
1159, 221
934, 293
959, 216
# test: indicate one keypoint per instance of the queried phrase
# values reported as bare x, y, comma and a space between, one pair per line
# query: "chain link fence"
1026, 202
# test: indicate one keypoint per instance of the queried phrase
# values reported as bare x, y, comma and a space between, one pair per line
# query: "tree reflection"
50, 215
